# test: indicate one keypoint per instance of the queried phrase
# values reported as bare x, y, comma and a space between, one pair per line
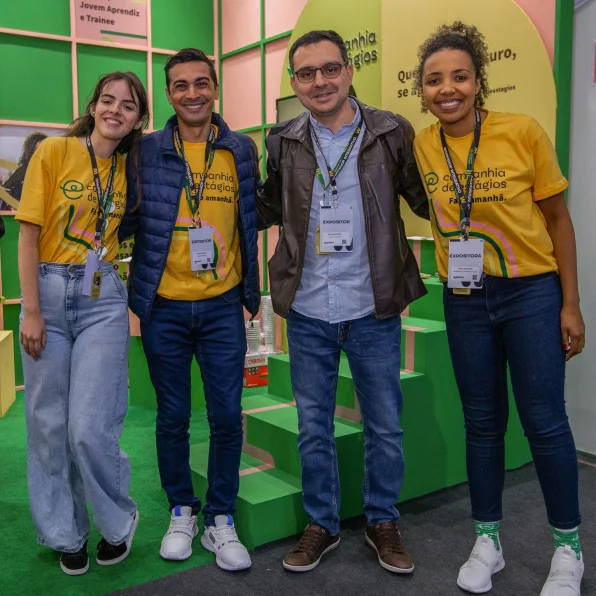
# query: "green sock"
490, 529
568, 538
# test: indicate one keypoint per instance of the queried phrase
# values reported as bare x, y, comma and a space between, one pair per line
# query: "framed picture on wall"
287, 108
17, 146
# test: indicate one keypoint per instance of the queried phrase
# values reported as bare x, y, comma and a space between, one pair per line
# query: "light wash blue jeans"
76, 398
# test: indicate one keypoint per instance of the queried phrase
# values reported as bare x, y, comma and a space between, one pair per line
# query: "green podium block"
432, 421
429, 306
424, 251
269, 503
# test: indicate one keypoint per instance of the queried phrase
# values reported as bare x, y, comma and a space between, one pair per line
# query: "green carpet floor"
27, 569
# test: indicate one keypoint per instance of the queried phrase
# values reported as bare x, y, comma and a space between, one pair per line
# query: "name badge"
466, 261
201, 248
93, 276
336, 230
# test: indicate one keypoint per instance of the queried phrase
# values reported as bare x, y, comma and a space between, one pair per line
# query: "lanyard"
333, 173
194, 194
104, 200
465, 196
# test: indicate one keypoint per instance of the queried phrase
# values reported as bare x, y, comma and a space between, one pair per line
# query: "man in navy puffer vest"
194, 265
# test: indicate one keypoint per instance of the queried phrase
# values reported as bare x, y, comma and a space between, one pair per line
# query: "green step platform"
269, 505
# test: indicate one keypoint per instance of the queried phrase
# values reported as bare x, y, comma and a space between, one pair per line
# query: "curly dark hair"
29, 147
457, 36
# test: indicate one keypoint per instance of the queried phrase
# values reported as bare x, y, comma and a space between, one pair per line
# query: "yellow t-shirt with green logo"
59, 195
516, 166
218, 209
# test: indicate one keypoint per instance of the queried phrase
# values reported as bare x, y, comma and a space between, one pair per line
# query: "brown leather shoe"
386, 540
313, 544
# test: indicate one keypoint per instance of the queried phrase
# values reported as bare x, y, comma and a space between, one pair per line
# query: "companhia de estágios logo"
72, 189
432, 180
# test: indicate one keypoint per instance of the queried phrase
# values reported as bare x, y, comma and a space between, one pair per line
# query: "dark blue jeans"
212, 331
514, 322
373, 351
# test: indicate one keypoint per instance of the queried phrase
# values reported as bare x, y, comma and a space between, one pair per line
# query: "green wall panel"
94, 61
45, 97
182, 24
41, 16
11, 323
162, 110
8, 257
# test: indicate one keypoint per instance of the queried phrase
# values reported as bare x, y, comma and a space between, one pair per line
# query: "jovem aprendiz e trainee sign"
121, 21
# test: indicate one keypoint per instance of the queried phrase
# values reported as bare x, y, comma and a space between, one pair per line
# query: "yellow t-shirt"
218, 209
516, 166
59, 195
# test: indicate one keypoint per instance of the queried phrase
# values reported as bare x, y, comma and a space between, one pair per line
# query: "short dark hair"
316, 37
189, 55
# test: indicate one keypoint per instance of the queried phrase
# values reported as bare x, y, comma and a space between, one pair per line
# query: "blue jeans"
515, 322
373, 351
212, 331
76, 398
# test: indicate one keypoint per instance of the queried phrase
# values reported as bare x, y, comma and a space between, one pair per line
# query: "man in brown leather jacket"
342, 273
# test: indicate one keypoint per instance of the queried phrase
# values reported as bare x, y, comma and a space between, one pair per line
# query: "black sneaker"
75, 563
110, 554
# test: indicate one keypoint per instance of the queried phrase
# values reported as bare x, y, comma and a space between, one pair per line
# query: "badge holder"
202, 253
466, 262
335, 233
93, 275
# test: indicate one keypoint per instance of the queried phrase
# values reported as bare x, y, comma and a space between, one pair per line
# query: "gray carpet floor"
438, 533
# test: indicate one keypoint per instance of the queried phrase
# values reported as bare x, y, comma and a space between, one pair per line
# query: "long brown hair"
84, 125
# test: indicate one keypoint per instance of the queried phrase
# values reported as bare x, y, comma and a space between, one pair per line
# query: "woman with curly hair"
505, 249
14, 184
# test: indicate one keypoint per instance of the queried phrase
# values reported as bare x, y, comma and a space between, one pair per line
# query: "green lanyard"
343, 158
105, 199
194, 195
465, 196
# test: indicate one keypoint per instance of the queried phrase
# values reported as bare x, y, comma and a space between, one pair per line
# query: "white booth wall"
581, 372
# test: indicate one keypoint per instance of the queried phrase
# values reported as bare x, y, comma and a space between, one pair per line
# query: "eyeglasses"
332, 70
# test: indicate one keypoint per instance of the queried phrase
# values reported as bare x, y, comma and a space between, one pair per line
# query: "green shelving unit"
40, 52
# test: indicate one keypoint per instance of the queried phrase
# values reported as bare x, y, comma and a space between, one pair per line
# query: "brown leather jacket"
387, 169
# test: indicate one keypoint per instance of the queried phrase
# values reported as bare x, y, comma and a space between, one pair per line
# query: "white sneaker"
565, 574
475, 574
222, 540
177, 543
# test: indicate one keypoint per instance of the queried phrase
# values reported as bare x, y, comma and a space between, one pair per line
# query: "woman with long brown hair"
74, 327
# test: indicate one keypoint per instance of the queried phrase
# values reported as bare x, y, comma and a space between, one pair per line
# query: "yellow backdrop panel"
520, 75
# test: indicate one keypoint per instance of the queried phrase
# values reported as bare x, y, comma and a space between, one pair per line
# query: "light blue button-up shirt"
336, 287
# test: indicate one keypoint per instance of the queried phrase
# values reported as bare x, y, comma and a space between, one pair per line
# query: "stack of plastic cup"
253, 336
268, 317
